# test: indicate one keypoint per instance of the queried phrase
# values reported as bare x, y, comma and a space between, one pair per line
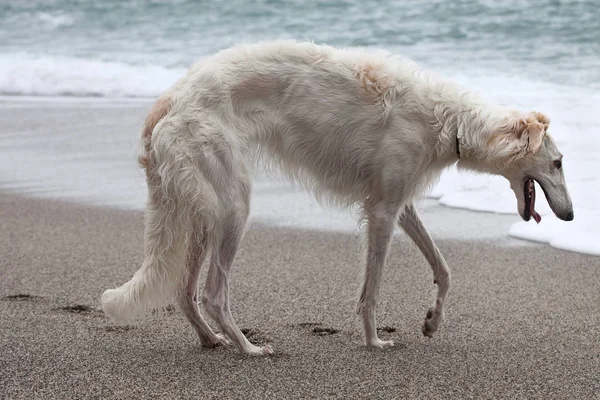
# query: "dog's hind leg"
224, 244
188, 297
380, 219
411, 223
216, 292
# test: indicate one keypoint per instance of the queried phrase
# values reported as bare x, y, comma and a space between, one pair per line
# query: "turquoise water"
542, 40
536, 55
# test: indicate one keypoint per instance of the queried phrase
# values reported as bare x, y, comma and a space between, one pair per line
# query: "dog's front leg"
380, 219
411, 223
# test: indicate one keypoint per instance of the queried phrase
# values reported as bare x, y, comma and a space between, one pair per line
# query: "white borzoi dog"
352, 127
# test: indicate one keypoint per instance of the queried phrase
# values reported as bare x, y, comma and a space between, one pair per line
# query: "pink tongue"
532, 211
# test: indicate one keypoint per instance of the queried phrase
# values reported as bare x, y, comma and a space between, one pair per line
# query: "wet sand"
85, 150
521, 321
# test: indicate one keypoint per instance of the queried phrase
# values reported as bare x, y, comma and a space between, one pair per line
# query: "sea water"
539, 55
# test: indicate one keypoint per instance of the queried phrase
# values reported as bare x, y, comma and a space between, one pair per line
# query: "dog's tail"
157, 282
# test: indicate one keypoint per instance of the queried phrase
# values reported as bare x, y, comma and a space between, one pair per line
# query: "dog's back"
319, 114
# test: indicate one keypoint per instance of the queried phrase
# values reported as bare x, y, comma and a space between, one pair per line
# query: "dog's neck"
463, 129
455, 128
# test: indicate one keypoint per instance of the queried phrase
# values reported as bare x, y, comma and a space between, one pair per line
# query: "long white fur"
349, 125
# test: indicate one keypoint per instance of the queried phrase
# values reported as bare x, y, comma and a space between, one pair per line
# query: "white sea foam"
575, 123
56, 19
25, 74
582, 235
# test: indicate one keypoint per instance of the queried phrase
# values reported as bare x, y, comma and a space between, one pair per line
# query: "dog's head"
529, 154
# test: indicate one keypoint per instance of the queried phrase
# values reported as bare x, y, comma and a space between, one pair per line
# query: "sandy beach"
522, 321
77, 79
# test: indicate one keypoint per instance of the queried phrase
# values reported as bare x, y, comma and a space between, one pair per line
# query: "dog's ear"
541, 118
531, 131
521, 135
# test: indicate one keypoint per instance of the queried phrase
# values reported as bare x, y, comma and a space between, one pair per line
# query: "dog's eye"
557, 164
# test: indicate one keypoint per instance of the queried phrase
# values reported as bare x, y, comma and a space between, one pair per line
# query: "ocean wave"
31, 75
55, 20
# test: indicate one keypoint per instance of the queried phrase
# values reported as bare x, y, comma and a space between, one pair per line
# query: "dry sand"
522, 322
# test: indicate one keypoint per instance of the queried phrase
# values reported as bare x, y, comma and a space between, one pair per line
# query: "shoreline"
92, 161
440, 220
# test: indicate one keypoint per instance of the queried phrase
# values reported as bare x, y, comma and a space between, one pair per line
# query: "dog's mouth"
529, 194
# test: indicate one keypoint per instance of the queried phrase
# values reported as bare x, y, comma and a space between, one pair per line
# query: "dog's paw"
432, 322
259, 351
218, 340
380, 344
